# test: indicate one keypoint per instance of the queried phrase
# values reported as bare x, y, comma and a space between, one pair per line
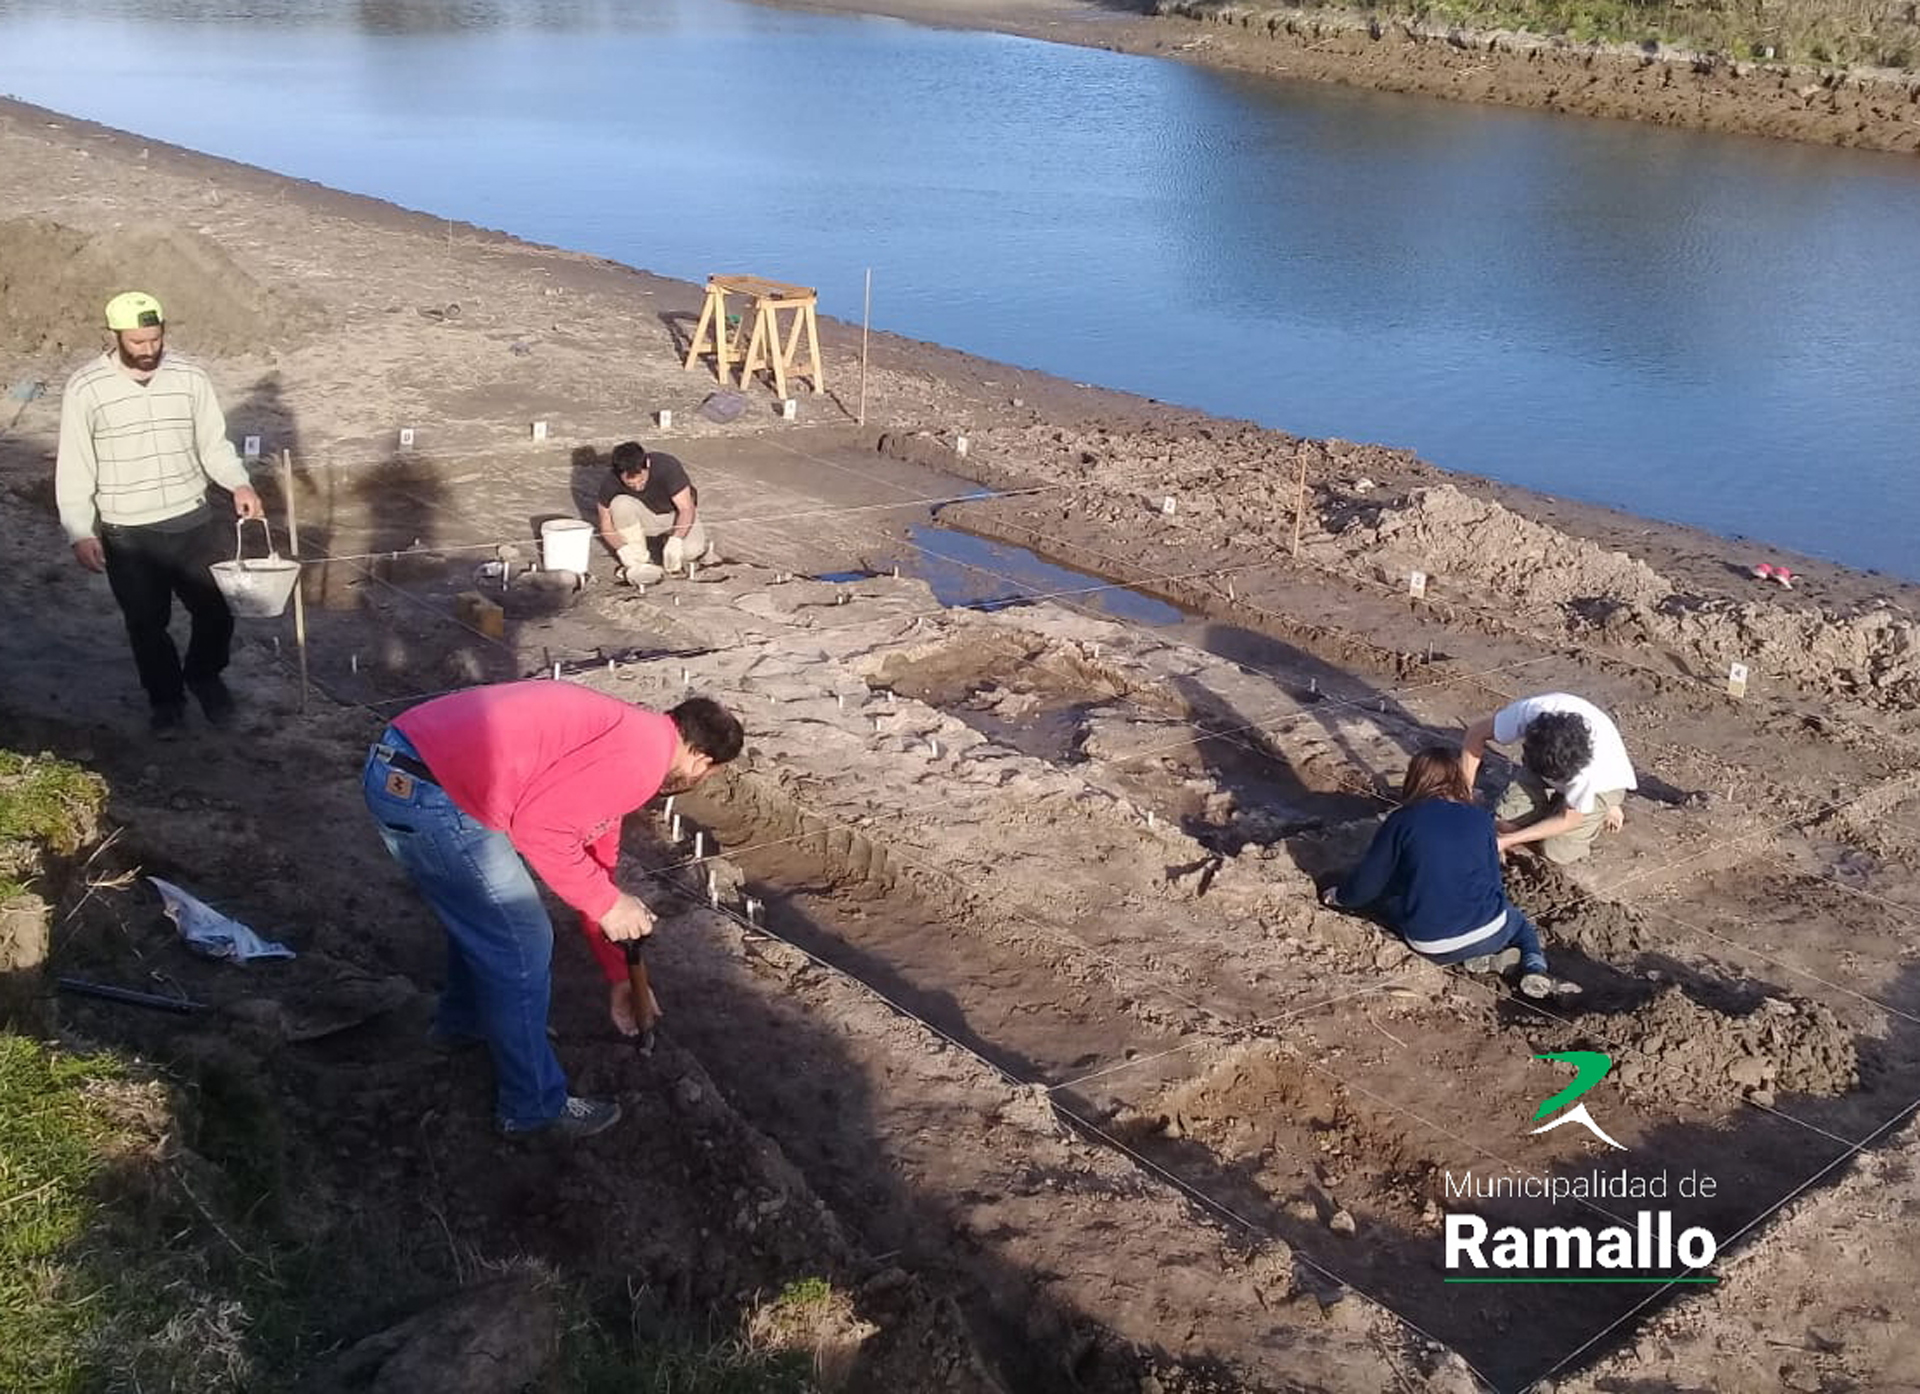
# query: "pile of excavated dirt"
1682, 1050
1872, 654
55, 282
1447, 533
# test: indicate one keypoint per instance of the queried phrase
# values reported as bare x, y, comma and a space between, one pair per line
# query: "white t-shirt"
1609, 769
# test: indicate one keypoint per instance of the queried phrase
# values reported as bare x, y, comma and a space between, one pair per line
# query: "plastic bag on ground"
209, 932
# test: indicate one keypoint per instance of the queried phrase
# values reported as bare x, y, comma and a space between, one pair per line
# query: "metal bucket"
256, 589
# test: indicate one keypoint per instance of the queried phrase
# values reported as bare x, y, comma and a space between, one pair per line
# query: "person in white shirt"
141, 438
1573, 779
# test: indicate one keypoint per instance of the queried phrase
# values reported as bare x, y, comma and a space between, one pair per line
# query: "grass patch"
801, 1342
120, 1269
58, 1136
47, 806
596, 1363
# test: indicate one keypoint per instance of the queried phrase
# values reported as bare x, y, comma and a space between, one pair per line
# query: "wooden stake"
1300, 504
866, 320
293, 553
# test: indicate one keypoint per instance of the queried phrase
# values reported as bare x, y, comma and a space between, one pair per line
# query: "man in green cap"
141, 437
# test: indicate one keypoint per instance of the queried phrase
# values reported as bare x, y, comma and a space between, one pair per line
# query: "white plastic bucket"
566, 544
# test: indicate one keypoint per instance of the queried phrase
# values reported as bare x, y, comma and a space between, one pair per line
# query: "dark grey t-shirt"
666, 476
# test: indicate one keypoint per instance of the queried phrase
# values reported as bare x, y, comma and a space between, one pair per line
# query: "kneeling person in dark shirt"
645, 500
1432, 875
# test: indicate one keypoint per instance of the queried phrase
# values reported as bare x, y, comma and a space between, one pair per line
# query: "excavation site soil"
998, 991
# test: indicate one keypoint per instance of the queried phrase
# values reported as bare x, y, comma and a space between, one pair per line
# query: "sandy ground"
1039, 1041
1868, 108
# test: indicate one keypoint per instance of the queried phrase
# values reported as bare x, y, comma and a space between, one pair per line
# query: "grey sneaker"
1503, 962
578, 1119
168, 723
1538, 986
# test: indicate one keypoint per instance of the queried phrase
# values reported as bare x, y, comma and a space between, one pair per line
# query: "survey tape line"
1794, 822
1782, 964
1258, 1231
716, 519
1906, 914
1619, 1051
1203, 733
1226, 1037
1799, 1122
863, 475
583, 664
1085, 1125
1852, 1151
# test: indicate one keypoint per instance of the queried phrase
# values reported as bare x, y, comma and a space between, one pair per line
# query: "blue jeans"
1521, 934
1518, 932
499, 939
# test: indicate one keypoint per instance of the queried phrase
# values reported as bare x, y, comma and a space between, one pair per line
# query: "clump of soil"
55, 282
1602, 929
1681, 1050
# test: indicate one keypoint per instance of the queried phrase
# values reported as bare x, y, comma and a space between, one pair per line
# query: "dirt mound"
1873, 655
1567, 914
54, 282
1681, 1050
1446, 533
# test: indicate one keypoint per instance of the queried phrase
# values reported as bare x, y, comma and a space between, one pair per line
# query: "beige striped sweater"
133, 453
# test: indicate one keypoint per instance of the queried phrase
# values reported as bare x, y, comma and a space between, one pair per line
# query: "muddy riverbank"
1827, 104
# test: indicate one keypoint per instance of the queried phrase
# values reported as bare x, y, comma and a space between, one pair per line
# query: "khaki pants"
638, 525
1527, 800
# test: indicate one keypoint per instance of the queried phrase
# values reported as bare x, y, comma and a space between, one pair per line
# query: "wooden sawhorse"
766, 344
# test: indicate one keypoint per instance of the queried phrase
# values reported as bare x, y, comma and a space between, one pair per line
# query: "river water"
1708, 329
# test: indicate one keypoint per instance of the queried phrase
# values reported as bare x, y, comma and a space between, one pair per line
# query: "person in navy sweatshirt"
1432, 875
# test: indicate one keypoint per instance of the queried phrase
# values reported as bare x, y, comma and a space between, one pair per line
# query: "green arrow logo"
1590, 1067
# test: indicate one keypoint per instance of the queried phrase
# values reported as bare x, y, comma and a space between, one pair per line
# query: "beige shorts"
637, 525
1527, 800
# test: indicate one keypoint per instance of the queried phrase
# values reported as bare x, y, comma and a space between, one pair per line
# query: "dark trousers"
147, 568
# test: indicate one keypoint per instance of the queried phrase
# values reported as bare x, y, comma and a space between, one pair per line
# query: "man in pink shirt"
465, 786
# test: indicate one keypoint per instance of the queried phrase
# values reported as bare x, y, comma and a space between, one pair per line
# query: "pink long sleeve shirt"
555, 767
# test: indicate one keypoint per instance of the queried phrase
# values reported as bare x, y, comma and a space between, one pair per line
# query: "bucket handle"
239, 538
